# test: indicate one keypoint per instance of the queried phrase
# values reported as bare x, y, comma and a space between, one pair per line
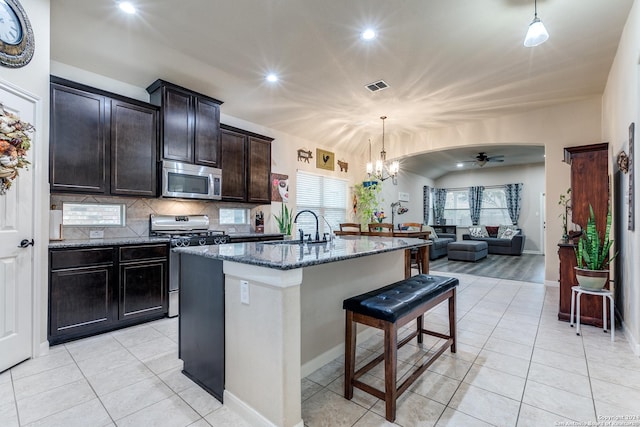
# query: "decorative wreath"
14, 144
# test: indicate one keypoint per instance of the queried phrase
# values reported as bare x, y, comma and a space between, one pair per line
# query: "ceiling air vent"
376, 86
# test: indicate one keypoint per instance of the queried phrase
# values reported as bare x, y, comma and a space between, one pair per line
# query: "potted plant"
366, 201
284, 220
592, 255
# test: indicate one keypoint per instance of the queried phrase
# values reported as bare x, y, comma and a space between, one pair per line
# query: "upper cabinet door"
177, 135
207, 133
259, 175
79, 141
133, 149
234, 182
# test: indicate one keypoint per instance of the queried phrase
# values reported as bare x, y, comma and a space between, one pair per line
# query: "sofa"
500, 245
439, 243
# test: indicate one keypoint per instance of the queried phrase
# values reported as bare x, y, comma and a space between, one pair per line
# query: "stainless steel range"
184, 230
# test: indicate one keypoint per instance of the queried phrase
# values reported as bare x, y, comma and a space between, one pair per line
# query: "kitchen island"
283, 315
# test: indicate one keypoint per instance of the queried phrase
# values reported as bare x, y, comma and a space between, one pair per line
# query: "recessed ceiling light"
272, 78
127, 7
460, 165
368, 34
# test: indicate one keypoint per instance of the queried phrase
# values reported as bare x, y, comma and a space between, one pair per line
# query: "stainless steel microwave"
189, 181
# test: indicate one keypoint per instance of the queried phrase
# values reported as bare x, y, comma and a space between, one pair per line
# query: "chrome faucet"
295, 220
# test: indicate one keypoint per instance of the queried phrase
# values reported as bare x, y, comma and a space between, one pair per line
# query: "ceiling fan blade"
498, 156
492, 159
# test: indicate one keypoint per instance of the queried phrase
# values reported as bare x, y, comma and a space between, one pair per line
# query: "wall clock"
16, 35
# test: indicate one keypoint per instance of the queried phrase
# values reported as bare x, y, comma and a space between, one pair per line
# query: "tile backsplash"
139, 209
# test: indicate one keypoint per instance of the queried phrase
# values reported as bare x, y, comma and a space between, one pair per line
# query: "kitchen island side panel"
202, 322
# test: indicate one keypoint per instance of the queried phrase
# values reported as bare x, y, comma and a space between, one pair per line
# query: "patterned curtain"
475, 203
439, 200
513, 193
426, 198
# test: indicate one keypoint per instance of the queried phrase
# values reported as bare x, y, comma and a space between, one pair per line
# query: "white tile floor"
516, 366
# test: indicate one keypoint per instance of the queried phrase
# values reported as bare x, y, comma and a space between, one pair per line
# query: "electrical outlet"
96, 234
244, 292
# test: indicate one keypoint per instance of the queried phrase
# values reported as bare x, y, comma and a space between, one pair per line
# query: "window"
234, 216
456, 208
324, 196
494, 207
93, 214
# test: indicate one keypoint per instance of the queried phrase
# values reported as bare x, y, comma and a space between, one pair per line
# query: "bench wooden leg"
349, 355
420, 324
390, 369
452, 320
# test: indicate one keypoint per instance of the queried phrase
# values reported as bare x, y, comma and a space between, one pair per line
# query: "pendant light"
381, 166
537, 33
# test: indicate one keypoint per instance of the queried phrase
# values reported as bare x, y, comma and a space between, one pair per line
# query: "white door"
16, 225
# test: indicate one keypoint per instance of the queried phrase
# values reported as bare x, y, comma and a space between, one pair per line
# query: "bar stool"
577, 291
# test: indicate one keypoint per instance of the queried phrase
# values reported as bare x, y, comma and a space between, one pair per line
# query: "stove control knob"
202, 241
185, 242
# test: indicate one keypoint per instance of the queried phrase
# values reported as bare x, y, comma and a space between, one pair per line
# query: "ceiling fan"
481, 159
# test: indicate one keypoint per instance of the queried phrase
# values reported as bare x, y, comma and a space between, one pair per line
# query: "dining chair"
381, 229
416, 262
350, 228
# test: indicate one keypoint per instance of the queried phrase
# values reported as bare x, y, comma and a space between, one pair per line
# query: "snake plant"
284, 220
591, 253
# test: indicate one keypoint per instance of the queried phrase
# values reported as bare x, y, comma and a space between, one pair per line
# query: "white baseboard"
633, 342
43, 350
253, 417
337, 351
552, 283
529, 251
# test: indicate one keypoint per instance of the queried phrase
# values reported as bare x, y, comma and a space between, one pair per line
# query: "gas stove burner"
186, 230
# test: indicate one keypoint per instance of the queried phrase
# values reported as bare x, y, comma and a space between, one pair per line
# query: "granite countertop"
250, 234
79, 243
287, 256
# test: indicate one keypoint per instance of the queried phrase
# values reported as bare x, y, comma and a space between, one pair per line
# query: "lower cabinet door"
143, 290
81, 302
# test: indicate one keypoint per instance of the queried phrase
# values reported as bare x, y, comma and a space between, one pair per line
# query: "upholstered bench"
389, 308
468, 250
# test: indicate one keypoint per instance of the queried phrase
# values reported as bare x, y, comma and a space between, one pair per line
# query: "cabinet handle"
25, 243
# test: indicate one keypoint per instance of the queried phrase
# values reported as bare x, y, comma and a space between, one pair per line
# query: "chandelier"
381, 166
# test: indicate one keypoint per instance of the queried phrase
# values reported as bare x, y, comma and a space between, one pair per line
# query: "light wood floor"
526, 267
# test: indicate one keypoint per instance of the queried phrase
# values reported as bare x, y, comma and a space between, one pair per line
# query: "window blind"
323, 195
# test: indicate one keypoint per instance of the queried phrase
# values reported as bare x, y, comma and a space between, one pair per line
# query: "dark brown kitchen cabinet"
259, 170
246, 166
234, 183
143, 281
98, 289
79, 141
81, 293
101, 143
133, 149
190, 124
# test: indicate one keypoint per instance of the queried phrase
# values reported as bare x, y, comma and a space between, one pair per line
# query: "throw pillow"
432, 234
478, 231
507, 231
493, 231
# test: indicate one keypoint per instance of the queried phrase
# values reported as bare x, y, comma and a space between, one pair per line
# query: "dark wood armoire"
589, 186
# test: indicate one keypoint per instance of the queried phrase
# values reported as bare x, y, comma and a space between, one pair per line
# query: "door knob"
26, 243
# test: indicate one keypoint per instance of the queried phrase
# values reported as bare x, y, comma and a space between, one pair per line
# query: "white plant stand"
577, 291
